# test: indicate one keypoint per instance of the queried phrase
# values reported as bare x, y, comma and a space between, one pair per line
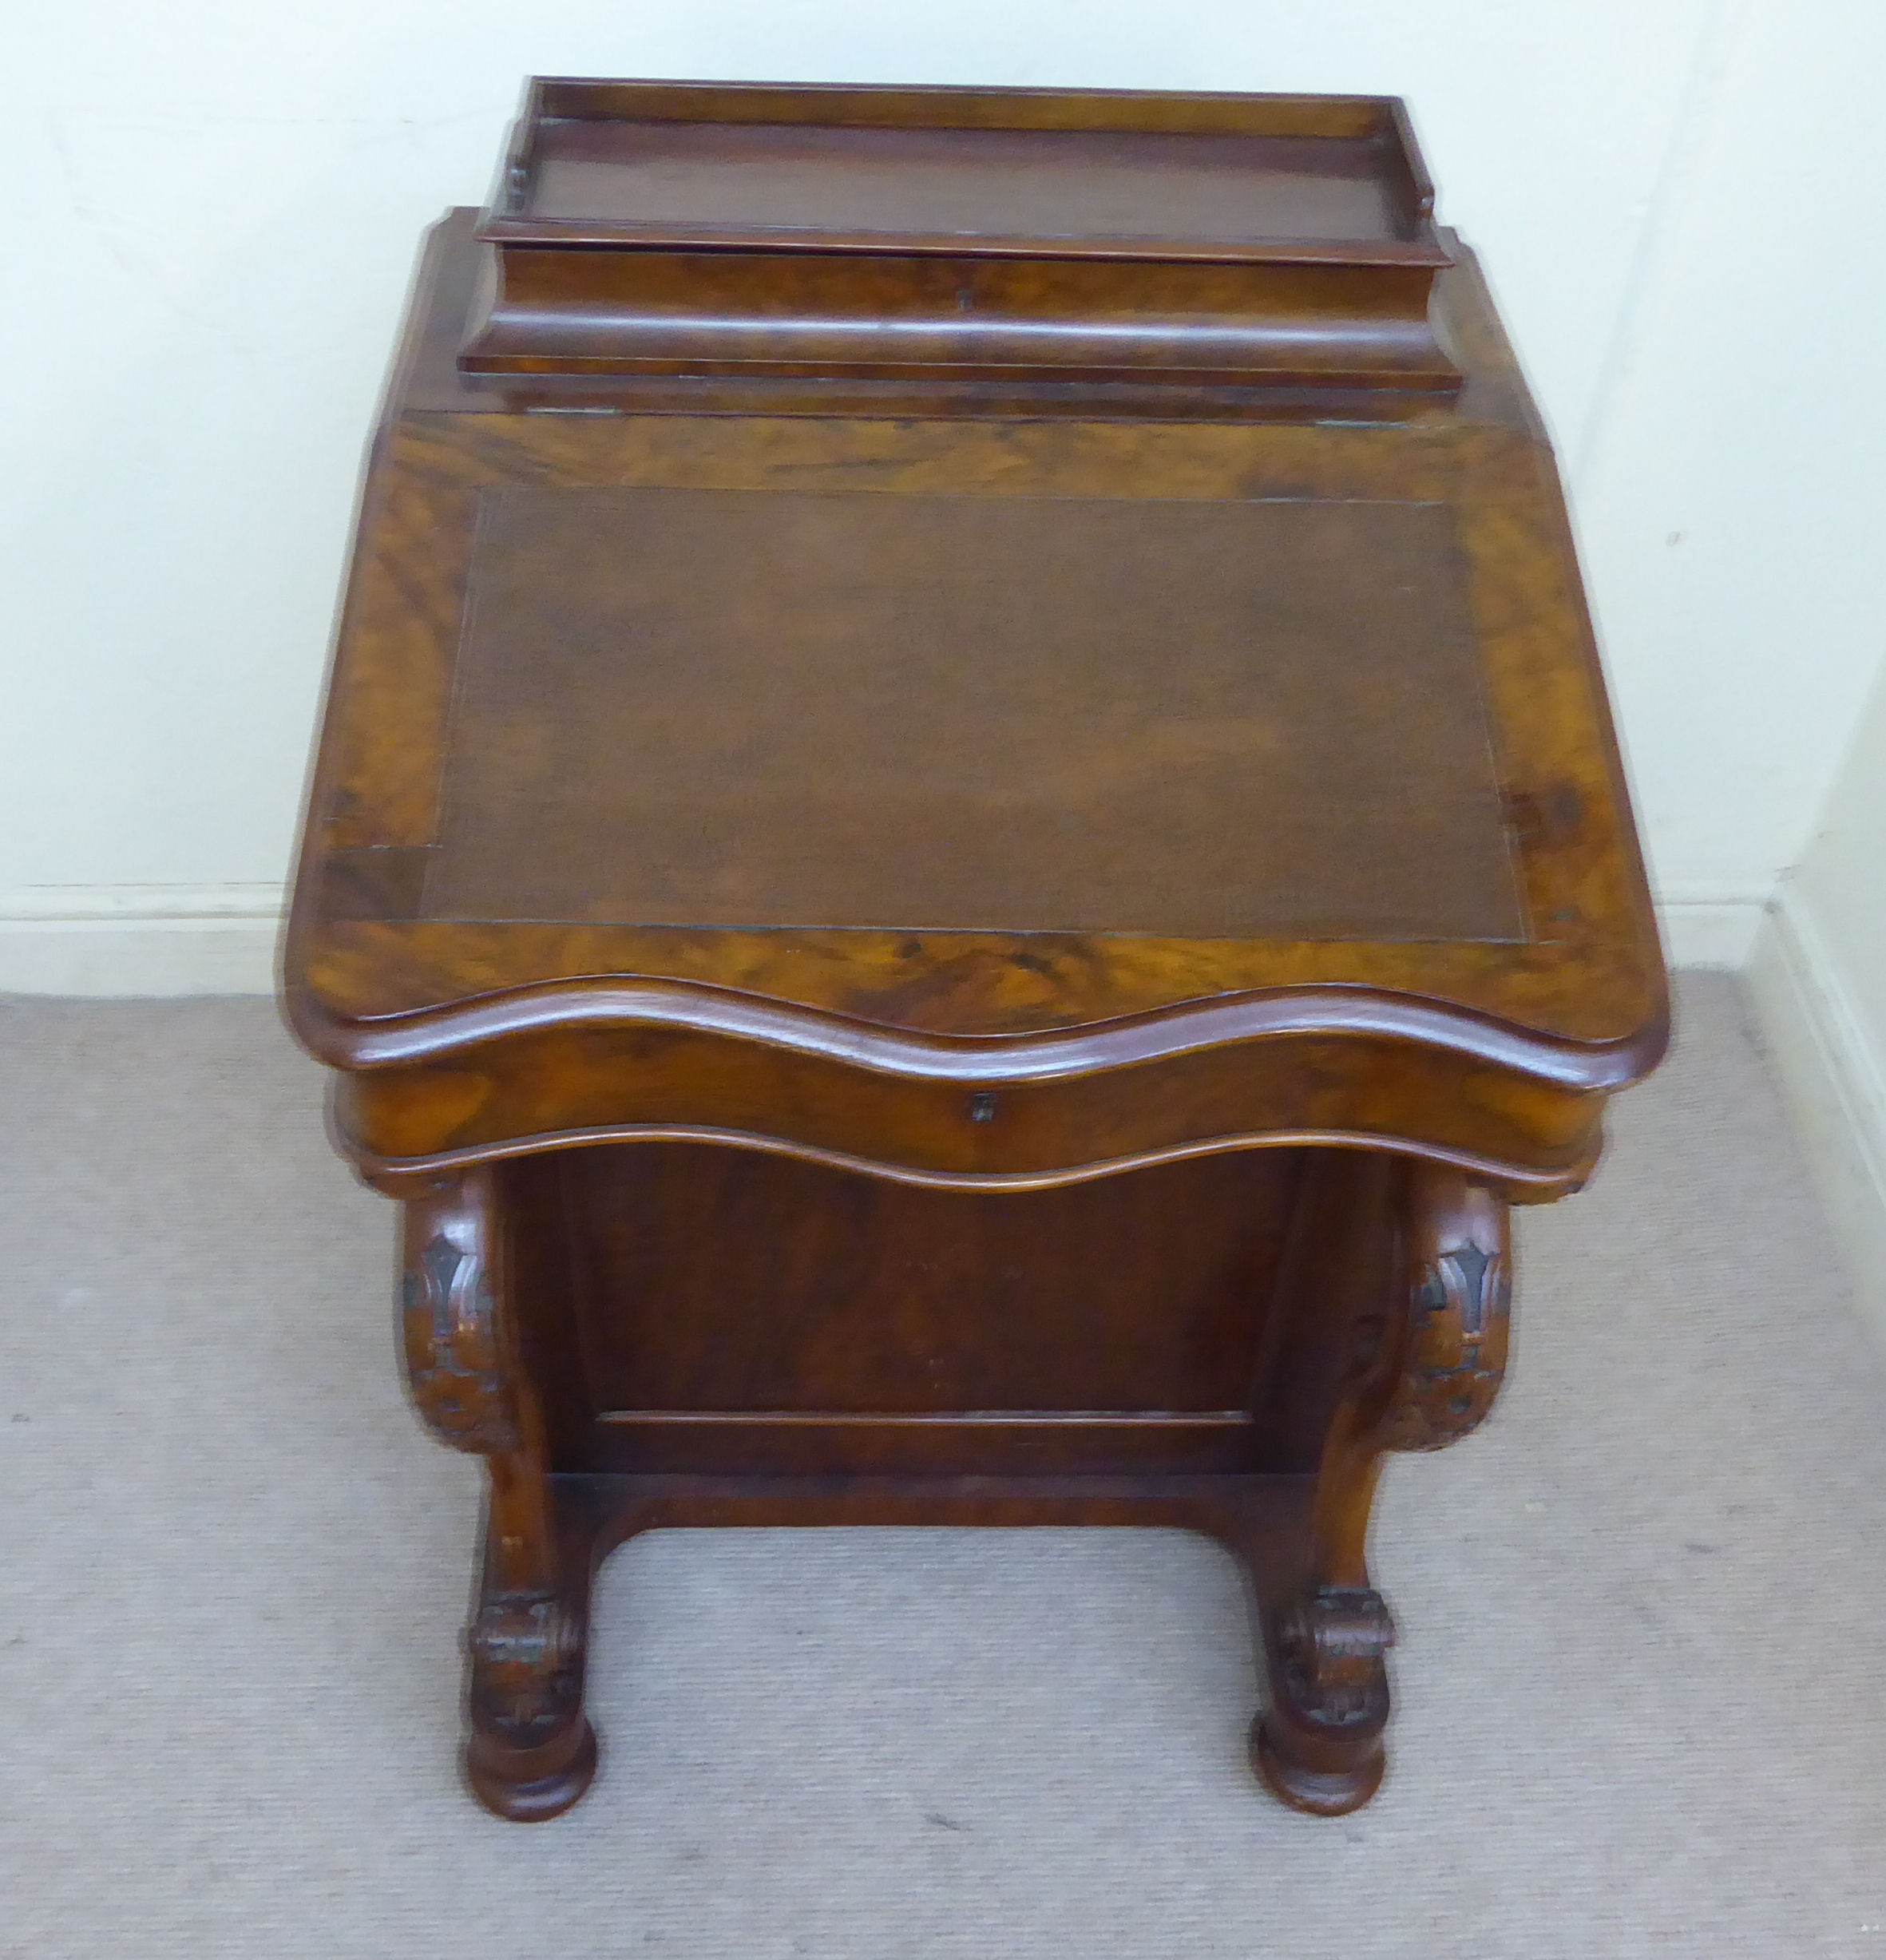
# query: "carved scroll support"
455, 1358
1459, 1282
1425, 1373
531, 1752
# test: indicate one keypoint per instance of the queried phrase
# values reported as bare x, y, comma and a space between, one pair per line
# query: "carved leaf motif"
1471, 1265
450, 1323
1454, 1363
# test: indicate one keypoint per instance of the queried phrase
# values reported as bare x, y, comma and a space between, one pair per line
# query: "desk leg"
531, 1752
1427, 1371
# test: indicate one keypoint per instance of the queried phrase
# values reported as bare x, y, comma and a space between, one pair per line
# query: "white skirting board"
138, 941
1834, 1074
1711, 925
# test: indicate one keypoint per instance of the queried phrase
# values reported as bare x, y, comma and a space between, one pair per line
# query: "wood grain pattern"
1589, 979
1590, 973
717, 1282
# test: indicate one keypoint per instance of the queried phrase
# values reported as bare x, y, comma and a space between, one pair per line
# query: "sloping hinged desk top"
989, 684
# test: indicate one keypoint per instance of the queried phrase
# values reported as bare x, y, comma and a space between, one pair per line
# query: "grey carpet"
1642, 1686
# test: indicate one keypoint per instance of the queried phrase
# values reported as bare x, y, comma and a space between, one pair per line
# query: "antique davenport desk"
967, 843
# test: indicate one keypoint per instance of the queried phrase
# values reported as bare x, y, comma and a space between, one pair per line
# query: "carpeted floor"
1642, 1686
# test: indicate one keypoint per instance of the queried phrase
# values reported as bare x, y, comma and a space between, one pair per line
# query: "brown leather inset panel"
811, 709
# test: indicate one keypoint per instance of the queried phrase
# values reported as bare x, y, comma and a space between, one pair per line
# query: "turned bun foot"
1291, 1771
530, 1786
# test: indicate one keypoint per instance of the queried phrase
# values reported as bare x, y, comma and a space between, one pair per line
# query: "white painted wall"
219, 204
1730, 494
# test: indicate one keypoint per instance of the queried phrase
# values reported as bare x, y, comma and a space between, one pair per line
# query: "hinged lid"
694, 228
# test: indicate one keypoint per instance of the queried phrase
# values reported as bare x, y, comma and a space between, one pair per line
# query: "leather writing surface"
827, 709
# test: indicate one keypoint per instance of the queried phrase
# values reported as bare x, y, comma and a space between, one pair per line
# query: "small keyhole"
982, 1106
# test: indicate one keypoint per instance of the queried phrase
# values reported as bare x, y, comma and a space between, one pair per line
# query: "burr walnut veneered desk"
966, 844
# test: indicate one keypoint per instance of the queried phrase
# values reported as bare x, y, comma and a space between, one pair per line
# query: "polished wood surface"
935, 946
735, 1311
1078, 172
952, 233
